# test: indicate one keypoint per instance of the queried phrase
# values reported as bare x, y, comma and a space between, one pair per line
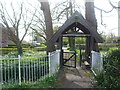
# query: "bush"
26, 46
65, 42
11, 49
11, 46
7, 50
110, 77
104, 48
80, 40
39, 48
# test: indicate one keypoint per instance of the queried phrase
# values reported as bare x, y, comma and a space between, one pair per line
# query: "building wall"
4, 40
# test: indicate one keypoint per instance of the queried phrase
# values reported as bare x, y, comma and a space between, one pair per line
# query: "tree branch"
112, 5
41, 35
18, 21
104, 10
27, 26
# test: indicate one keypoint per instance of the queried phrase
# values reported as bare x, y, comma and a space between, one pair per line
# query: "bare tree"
17, 20
39, 27
66, 11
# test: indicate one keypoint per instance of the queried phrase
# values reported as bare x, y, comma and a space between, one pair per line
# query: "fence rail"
28, 69
97, 62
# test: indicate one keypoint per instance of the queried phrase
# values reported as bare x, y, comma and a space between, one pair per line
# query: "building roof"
77, 20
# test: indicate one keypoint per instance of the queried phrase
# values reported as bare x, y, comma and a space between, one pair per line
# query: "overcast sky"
109, 19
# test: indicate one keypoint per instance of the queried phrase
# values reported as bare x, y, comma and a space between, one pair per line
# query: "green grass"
49, 82
34, 56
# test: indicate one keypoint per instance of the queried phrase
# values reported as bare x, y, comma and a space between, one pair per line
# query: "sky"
110, 20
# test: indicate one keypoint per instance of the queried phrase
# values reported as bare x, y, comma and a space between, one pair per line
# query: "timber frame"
75, 23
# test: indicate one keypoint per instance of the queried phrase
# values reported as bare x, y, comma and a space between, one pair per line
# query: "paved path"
74, 78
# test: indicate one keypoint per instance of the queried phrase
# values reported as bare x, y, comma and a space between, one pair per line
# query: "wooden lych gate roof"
77, 20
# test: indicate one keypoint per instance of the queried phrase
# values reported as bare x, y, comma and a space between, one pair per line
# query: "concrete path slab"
74, 78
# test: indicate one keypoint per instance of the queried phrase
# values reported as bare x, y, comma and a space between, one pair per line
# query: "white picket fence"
28, 69
97, 62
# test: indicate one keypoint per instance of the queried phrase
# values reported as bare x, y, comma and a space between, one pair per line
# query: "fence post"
49, 64
1, 78
19, 70
49, 55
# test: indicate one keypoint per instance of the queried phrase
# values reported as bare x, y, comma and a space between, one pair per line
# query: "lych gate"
72, 28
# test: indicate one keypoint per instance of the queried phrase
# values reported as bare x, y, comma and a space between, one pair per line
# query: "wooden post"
91, 48
61, 53
80, 55
75, 59
87, 52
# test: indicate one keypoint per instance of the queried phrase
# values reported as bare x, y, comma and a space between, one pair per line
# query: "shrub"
39, 48
26, 45
104, 48
7, 50
11, 46
80, 40
10, 49
110, 77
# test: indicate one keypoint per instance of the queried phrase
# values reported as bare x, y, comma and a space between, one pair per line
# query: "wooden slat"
76, 35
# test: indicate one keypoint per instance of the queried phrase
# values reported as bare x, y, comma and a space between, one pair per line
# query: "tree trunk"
71, 43
90, 17
71, 39
49, 28
19, 48
90, 14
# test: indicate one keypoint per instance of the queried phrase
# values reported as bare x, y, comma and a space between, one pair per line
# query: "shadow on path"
74, 78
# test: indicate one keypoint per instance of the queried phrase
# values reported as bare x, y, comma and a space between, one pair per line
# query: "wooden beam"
76, 35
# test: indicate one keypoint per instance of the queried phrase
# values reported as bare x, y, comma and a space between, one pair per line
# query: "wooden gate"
69, 59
